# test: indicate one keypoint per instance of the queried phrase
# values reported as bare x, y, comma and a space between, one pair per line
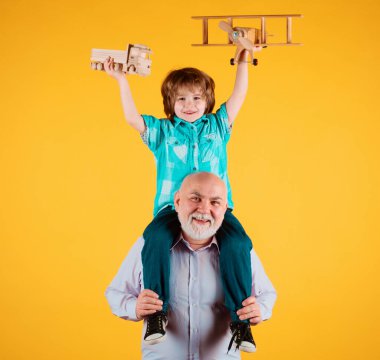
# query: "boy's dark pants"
234, 258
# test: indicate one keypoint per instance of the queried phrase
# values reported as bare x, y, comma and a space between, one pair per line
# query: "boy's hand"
250, 310
257, 48
244, 54
108, 67
147, 303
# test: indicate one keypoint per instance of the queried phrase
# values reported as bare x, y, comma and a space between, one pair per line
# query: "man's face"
201, 204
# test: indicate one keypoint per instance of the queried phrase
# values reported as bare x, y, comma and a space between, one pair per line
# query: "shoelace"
155, 322
239, 334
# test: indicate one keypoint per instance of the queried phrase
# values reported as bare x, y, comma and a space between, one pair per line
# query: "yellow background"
78, 184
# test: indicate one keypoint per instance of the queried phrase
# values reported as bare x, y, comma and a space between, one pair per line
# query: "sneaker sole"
248, 349
155, 341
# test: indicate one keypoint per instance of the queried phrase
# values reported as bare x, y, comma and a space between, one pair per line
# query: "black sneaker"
155, 328
242, 338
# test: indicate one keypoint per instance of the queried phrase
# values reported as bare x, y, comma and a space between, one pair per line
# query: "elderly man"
198, 326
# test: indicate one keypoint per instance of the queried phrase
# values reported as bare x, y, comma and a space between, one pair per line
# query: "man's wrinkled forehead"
205, 187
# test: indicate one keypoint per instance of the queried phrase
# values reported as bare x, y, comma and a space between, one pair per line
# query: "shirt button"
194, 146
194, 168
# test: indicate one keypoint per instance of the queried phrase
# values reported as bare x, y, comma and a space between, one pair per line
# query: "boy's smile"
190, 104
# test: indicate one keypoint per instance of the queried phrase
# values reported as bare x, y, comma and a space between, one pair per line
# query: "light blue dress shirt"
181, 148
198, 321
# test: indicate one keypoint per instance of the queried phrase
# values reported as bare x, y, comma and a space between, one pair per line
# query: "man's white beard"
196, 231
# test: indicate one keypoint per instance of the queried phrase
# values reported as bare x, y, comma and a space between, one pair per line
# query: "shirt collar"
178, 120
182, 240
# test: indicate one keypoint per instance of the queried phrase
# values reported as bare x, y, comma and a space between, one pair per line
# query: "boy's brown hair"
187, 77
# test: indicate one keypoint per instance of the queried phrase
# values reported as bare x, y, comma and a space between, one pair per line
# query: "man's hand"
250, 310
147, 303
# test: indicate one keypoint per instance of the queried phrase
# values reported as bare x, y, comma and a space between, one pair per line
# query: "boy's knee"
236, 245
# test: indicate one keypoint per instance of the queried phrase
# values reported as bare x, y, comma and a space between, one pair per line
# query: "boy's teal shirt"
181, 148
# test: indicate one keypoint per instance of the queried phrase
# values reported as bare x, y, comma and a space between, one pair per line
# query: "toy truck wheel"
116, 67
93, 66
132, 68
255, 62
99, 66
232, 61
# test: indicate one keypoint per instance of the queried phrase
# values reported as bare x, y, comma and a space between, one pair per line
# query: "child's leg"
159, 236
235, 263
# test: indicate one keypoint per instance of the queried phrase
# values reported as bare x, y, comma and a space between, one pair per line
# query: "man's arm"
124, 293
125, 288
131, 114
262, 287
258, 307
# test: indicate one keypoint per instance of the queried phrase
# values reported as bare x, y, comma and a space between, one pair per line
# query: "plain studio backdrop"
77, 183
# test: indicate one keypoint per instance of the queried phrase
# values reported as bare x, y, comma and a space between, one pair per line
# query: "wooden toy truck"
135, 60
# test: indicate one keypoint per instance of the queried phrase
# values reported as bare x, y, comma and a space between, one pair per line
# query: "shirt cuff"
224, 116
131, 310
145, 135
266, 313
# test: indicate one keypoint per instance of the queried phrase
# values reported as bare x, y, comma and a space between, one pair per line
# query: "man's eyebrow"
196, 193
216, 198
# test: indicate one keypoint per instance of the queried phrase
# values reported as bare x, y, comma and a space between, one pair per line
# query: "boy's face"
190, 104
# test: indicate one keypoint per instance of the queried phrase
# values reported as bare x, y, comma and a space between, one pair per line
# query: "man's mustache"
199, 216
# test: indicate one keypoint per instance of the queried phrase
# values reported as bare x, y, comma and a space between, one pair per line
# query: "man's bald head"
205, 180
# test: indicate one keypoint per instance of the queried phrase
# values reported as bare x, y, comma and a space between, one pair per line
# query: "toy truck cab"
138, 60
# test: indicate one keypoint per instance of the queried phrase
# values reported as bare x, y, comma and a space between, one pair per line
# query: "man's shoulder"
137, 246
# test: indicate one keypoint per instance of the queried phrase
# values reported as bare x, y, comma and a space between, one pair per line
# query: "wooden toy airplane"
246, 38
135, 60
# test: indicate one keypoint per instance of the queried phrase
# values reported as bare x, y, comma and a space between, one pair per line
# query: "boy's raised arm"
235, 102
131, 114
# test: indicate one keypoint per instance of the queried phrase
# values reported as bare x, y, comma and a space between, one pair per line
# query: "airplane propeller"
247, 44
225, 26
236, 36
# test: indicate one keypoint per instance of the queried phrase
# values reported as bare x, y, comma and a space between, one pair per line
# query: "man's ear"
176, 200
